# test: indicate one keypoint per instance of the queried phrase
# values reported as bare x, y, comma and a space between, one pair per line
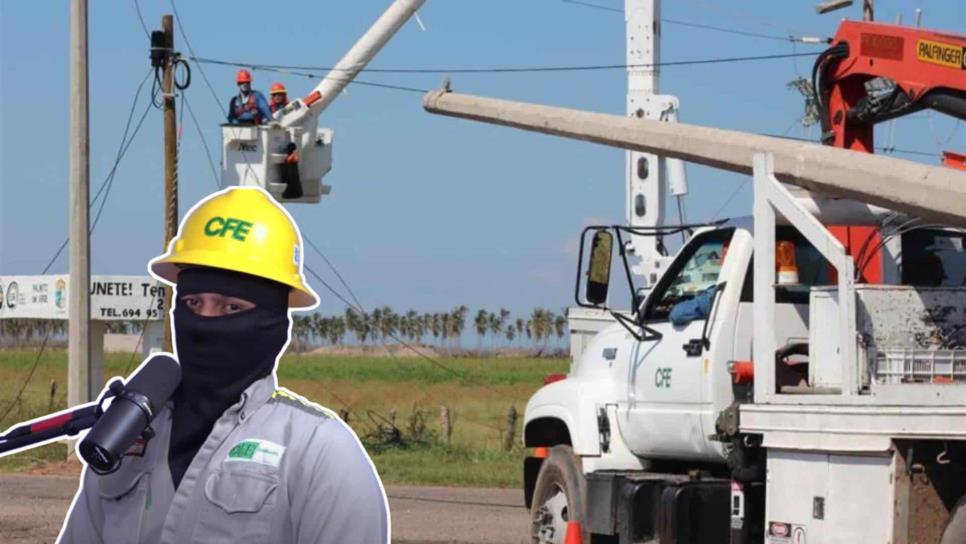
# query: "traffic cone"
574, 533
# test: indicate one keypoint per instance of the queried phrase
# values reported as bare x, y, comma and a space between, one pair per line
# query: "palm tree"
336, 330
436, 326
458, 322
511, 333
412, 326
301, 328
376, 323
482, 324
353, 322
390, 323
522, 327
560, 326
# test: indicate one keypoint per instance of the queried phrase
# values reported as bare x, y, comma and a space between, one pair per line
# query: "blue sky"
426, 212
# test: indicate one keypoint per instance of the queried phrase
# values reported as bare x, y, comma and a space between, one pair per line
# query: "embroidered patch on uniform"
254, 450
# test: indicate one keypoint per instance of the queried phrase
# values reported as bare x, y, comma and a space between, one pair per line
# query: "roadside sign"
113, 298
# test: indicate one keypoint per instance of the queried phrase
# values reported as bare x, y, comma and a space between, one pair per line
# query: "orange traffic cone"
574, 533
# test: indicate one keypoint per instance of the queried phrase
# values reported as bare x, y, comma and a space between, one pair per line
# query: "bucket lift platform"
262, 155
289, 155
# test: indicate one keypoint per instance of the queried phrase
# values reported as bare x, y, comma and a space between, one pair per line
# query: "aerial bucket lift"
290, 155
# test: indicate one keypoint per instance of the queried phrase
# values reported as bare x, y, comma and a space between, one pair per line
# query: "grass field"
479, 393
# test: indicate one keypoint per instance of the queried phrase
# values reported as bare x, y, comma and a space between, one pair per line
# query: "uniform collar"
253, 397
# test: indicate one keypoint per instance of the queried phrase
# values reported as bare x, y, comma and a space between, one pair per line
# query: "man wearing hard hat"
278, 97
233, 457
249, 106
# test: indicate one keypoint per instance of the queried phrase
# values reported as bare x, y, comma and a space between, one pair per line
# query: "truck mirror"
598, 273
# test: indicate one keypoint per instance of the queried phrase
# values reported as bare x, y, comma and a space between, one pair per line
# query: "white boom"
289, 158
936, 194
351, 64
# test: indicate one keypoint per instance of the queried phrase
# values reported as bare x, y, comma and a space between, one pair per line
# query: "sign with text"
113, 298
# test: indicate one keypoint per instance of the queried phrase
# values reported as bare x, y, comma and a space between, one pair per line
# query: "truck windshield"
694, 272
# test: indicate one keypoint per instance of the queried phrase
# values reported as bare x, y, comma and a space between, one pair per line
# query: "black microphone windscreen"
156, 380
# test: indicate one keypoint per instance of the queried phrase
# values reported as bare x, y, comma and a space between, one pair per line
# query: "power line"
507, 70
336, 272
33, 369
108, 181
106, 189
137, 7
703, 26
204, 141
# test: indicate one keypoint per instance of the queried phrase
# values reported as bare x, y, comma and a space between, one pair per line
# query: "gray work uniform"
275, 468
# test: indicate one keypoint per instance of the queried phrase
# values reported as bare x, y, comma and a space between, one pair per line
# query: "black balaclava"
221, 356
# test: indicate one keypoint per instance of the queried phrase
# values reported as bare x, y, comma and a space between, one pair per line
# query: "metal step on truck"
796, 377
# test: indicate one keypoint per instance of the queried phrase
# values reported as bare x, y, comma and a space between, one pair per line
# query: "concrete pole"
935, 193
170, 158
79, 377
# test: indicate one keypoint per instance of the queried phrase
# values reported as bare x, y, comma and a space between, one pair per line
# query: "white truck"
760, 390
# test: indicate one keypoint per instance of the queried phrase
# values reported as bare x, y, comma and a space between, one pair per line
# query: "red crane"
874, 72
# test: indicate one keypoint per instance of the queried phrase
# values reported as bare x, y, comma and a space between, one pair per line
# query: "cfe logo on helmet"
220, 226
210, 233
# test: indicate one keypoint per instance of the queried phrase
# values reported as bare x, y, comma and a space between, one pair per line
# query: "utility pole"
648, 176
80, 380
868, 14
170, 156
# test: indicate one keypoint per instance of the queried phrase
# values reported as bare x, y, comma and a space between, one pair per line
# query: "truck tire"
955, 532
559, 497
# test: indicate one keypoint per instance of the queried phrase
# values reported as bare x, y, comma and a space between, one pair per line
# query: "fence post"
511, 427
53, 393
445, 423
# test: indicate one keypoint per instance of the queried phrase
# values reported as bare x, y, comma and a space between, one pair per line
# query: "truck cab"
655, 396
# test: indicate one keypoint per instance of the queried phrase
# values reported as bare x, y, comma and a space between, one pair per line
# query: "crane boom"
934, 193
351, 63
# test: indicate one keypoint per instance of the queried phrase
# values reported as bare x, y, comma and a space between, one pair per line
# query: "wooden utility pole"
80, 382
170, 156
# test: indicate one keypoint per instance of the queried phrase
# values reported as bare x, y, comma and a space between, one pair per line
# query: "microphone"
131, 411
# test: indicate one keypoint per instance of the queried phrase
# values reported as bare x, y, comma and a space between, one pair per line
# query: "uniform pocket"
239, 506
240, 491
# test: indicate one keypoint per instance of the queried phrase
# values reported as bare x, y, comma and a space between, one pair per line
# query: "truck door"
667, 376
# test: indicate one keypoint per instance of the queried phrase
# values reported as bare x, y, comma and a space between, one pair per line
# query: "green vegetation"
479, 392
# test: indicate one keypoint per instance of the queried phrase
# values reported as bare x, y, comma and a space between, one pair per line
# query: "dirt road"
32, 509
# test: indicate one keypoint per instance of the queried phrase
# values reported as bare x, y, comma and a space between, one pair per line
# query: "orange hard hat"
278, 88
244, 76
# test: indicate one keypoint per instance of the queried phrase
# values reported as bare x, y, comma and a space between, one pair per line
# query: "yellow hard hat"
242, 229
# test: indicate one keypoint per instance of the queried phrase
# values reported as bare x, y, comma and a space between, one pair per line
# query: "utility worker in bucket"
249, 106
277, 97
232, 457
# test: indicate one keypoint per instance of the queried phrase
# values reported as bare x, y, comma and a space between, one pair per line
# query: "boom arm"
351, 64
917, 69
935, 193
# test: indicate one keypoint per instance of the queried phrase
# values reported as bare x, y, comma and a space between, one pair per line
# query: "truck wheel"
558, 497
955, 532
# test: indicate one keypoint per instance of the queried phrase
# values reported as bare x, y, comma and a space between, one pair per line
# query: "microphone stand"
69, 423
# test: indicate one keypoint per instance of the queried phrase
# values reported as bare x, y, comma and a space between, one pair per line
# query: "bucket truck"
762, 390
290, 155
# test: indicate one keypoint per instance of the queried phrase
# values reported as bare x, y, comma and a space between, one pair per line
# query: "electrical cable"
33, 369
105, 188
336, 272
122, 150
218, 101
505, 70
137, 7
775, 37
204, 141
